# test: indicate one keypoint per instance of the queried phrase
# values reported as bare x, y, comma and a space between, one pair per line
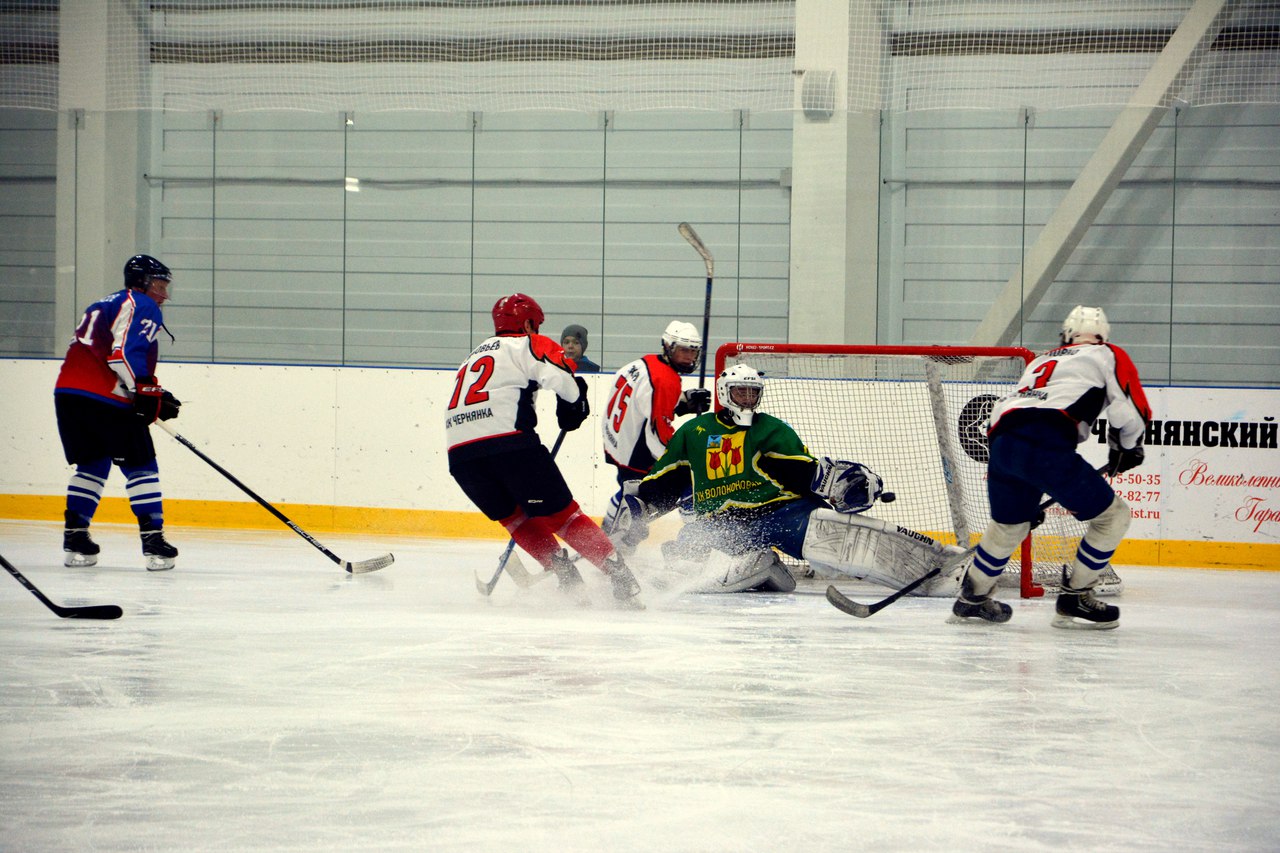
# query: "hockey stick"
687, 232
517, 570
842, 602
360, 567
90, 611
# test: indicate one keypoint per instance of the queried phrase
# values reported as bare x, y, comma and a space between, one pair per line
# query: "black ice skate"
626, 590
1079, 608
159, 553
568, 578
78, 548
969, 605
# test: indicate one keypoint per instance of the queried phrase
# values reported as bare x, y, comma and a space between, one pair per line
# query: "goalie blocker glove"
571, 415
1121, 459
848, 486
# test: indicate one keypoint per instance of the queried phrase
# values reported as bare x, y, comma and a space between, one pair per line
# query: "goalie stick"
854, 608
360, 567
687, 232
88, 611
515, 567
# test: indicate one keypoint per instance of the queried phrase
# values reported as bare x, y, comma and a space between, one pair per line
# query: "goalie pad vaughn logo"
876, 550
971, 427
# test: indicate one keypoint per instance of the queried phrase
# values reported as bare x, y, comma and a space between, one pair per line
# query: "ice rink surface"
259, 698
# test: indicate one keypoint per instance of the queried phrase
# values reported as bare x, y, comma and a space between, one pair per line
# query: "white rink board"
373, 437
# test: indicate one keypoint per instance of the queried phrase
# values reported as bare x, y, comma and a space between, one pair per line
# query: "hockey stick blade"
687, 232
842, 602
370, 565
88, 611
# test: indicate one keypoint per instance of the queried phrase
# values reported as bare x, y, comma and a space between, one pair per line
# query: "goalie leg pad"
875, 550
760, 571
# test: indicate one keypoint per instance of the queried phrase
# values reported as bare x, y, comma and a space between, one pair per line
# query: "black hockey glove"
695, 401
169, 406
148, 398
571, 415
1121, 459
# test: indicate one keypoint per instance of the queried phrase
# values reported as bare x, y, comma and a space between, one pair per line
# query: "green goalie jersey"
734, 467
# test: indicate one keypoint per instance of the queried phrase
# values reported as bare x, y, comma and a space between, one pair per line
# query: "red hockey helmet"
510, 312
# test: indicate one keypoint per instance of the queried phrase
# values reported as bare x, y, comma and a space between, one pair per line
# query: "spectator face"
572, 348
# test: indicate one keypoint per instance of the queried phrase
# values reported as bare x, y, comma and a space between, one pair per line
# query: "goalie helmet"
681, 334
743, 379
1084, 320
140, 269
511, 312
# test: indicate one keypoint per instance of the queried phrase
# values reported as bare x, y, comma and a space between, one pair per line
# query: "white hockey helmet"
740, 376
681, 334
1084, 320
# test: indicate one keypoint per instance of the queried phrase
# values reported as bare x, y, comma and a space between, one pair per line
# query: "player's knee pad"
1001, 540
1107, 529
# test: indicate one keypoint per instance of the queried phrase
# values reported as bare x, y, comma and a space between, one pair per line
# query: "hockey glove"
169, 406
571, 415
848, 486
695, 401
1121, 459
148, 398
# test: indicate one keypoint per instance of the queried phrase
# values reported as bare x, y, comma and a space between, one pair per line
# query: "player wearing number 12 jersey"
1034, 434
498, 460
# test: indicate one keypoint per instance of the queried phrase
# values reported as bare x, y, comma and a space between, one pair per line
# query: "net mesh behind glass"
495, 55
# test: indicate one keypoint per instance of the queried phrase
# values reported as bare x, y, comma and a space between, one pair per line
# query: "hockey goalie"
755, 490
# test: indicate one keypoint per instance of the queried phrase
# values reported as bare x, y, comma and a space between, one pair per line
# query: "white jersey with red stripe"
492, 406
639, 419
1082, 381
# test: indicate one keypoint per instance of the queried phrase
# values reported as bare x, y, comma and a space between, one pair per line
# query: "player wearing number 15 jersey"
1034, 434
498, 460
644, 400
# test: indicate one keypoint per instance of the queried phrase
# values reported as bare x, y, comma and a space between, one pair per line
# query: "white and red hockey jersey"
491, 409
1082, 381
639, 419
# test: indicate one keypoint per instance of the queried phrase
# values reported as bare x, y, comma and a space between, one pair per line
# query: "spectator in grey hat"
574, 341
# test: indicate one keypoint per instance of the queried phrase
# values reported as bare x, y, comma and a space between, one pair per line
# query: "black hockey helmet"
140, 269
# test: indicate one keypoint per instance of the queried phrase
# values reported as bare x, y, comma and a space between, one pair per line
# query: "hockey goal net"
916, 416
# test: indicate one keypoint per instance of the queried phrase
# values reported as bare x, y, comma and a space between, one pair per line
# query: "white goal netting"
916, 416
495, 55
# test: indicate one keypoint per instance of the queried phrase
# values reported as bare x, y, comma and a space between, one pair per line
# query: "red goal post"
916, 416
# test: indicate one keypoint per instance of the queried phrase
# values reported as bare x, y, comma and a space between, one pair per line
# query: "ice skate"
78, 548
626, 590
159, 553
568, 578
1080, 609
970, 605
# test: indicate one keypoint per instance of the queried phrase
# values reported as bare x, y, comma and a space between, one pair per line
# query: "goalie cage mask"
740, 376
